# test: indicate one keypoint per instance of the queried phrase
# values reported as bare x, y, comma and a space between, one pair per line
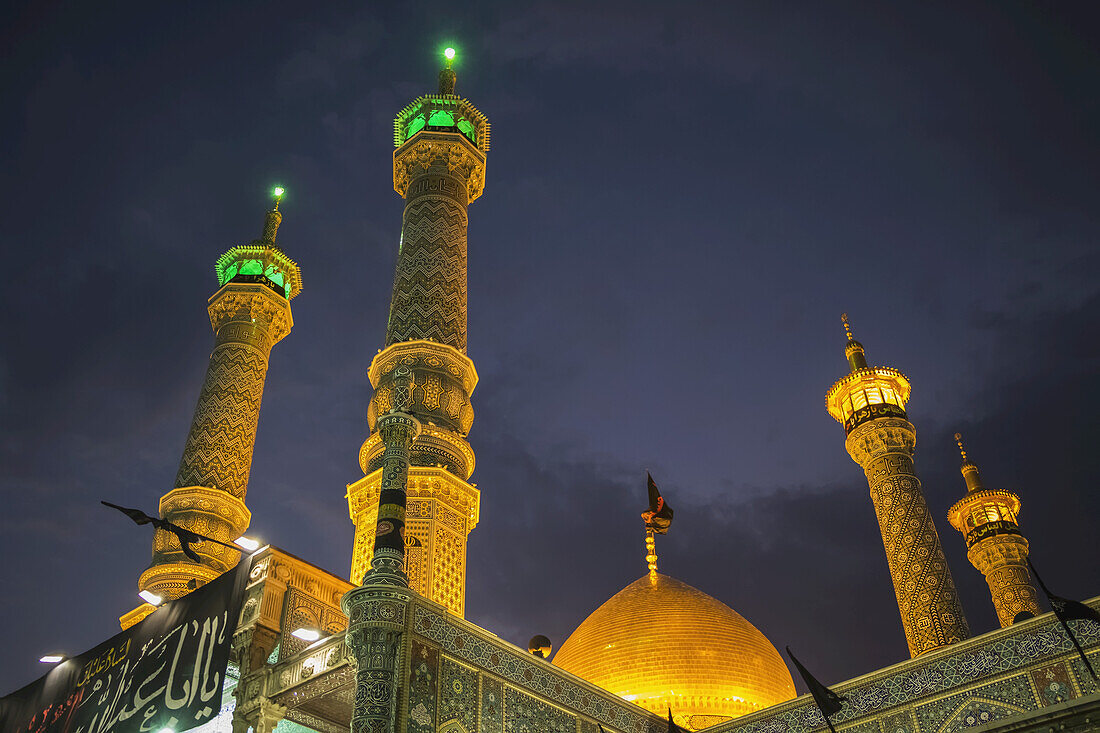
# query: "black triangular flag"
829, 702
659, 515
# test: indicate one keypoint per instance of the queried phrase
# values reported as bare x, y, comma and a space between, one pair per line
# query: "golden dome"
662, 644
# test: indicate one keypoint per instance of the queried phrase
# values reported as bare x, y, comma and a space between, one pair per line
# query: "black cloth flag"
659, 515
1065, 608
828, 702
166, 672
1068, 610
672, 727
185, 536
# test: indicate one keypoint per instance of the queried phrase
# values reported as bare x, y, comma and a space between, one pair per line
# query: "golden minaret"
870, 403
994, 543
249, 313
438, 168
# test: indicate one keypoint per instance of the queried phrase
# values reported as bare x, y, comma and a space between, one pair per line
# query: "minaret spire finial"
853, 350
447, 76
968, 469
274, 217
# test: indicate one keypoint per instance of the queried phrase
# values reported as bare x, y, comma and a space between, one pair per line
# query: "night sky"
680, 202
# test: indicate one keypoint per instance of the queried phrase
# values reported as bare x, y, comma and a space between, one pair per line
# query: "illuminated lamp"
278, 191
151, 598
247, 543
52, 658
306, 634
449, 53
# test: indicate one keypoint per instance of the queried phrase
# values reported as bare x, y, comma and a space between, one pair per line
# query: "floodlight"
247, 543
52, 658
151, 598
306, 634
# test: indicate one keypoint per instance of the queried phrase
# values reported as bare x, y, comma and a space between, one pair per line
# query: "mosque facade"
395, 654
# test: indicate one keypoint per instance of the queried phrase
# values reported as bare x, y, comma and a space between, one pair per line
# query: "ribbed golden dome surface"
661, 643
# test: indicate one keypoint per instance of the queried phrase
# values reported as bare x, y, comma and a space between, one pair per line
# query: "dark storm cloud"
680, 202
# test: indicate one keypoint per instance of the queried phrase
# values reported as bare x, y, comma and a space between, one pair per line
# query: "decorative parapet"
1011, 672
457, 673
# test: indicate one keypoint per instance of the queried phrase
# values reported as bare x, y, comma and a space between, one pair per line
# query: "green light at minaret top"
443, 112
262, 260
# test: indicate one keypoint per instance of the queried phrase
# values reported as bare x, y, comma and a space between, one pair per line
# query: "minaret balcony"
866, 394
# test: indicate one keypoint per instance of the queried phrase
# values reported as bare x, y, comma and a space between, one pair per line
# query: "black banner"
165, 672
989, 529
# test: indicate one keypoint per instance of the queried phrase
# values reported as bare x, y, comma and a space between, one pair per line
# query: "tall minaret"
870, 403
249, 313
438, 168
994, 544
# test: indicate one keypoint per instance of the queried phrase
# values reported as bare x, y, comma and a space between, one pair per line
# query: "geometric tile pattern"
549, 696
423, 678
931, 613
458, 694
934, 692
429, 288
492, 706
527, 714
1002, 559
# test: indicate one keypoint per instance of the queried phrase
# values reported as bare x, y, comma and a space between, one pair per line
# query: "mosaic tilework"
1053, 684
422, 685
458, 698
978, 706
951, 670
1081, 675
902, 722
492, 706
461, 641
526, 714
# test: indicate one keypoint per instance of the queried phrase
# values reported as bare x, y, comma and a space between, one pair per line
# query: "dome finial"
847, 327
657, 520
274, 217
651, 552
968, 469
447, 76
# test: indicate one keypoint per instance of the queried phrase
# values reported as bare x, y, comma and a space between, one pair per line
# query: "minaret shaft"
429, 289
1003, 561
931, 614
218, 450
249, 314
870, 403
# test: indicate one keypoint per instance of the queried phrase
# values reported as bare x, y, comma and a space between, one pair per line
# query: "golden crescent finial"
847, 328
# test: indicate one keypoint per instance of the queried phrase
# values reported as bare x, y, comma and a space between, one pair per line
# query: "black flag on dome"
672, 727
828, 702
659, 515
